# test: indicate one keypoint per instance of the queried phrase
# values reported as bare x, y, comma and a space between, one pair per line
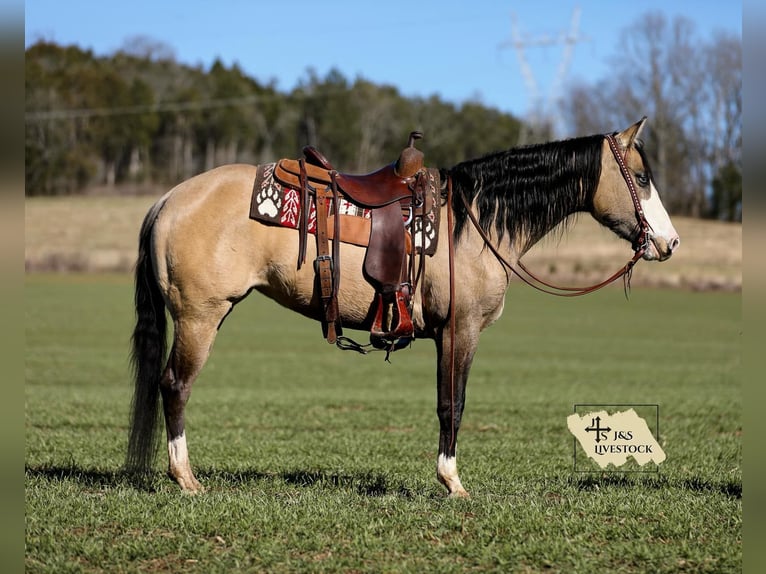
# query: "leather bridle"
640, 245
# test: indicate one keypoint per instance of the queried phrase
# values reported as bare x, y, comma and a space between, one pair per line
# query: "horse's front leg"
450, 403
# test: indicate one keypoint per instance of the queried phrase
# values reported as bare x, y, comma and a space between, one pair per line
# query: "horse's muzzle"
660, 249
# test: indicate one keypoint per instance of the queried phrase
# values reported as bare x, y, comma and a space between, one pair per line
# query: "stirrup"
403, 332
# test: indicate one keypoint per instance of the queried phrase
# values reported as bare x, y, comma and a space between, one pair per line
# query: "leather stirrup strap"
323, 267
304, 217
335, 244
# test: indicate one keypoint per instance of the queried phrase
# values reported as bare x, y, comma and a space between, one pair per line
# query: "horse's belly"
299, 290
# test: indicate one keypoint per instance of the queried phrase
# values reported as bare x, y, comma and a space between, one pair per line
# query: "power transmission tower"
544, 115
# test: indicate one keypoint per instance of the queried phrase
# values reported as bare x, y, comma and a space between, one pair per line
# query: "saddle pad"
276, 204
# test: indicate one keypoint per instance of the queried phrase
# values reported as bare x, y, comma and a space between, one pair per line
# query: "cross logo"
595, 426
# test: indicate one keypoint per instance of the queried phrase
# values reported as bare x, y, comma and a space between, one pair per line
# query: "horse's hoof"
188, 484
459, 494
192, 488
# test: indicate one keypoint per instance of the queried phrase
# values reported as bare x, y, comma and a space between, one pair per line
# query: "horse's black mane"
527, 191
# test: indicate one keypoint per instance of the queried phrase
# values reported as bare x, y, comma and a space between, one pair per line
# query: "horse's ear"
628, 136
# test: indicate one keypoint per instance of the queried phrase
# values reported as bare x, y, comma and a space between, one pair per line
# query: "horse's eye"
642, 179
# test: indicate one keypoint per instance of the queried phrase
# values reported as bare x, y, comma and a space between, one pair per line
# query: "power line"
519, 43
70, 114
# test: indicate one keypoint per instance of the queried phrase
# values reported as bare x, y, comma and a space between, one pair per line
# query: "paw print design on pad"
269, 197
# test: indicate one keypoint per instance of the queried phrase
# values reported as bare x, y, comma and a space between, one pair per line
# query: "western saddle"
393, 192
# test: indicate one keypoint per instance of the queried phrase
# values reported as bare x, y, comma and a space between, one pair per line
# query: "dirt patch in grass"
100, 234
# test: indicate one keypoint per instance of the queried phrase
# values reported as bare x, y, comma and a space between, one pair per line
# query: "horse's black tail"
149, 345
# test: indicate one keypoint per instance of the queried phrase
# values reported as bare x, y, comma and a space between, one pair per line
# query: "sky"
459, 50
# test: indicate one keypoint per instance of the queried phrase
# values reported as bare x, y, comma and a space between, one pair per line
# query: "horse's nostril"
674, 243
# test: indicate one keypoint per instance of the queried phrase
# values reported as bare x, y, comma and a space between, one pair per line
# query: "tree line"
139, 117
132, 118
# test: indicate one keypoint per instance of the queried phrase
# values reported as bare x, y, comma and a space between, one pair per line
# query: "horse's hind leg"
193, 337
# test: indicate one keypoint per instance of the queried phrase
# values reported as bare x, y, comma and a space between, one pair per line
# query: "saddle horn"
411, 159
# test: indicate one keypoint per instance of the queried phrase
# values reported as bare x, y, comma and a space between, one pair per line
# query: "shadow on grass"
92, 477
370, 484
730, 487
364, 483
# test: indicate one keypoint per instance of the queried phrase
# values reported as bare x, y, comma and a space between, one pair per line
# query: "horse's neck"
518, 224
522, 245
510, 247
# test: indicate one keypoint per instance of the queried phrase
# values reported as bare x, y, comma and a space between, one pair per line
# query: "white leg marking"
446, 472
179, 456
179, 467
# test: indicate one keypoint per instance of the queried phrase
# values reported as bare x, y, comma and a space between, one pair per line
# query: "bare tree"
689, 89
724, 60
377, 124
142, 46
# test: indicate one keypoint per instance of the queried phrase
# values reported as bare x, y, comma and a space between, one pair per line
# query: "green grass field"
317, 460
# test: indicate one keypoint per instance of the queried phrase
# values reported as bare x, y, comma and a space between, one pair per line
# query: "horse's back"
223, 192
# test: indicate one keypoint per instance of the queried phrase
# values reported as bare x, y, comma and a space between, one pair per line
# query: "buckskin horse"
200, 253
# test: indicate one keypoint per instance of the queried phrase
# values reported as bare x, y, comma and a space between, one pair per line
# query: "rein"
640, 246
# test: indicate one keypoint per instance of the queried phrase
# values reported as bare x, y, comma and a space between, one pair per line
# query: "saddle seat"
376, 189
392, 182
